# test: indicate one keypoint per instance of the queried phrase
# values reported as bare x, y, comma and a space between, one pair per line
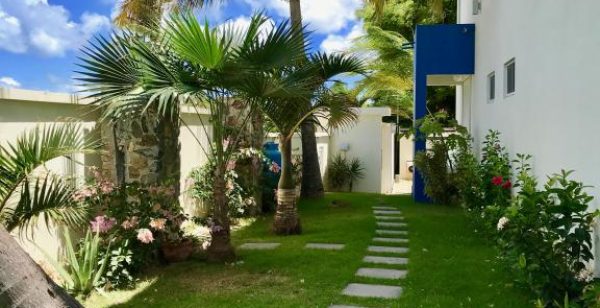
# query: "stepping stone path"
390, 240
381, 273
372, 290
391, 224
324, 246
387, 217
259, 246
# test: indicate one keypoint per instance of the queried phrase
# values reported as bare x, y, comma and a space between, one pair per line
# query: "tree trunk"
220, 249
312, 183
22, 281
170, 163
286, 220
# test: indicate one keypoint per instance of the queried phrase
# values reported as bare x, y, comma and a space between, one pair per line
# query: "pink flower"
274, 167
102, 224
145, 236
230, 165
158, 223
497, 180
107, 187
230, 185
130, 223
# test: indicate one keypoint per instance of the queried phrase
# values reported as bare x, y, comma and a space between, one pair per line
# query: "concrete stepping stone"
372, 290
387, 249
385, 260
259, 246
390, 240
389, 217
384, 208
391, 224
324, 246
381, 273
386, 212
391, 232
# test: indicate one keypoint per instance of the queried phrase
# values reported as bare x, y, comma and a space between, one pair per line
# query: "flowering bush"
138, 218
544, 234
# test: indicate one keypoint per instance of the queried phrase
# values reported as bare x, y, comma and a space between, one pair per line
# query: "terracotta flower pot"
177, 252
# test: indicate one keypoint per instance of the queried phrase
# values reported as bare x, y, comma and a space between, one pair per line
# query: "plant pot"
178, 251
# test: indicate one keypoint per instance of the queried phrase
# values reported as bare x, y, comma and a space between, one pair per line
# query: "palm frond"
48, 197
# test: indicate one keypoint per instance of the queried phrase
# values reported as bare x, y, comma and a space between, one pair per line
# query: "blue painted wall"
439, 50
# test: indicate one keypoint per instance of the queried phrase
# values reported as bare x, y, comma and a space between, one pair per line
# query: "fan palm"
23, 199
287, 116
197, 66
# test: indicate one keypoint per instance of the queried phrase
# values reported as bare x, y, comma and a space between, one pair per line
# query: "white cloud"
243, 22
45, 28
342, 43
10, 82
321, 16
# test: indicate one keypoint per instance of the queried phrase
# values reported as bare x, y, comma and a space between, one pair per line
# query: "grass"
450, 266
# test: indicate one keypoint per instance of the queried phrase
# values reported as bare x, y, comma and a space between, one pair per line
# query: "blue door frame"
439, 50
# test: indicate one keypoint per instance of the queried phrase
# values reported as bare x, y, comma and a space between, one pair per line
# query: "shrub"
342, 173
546, 235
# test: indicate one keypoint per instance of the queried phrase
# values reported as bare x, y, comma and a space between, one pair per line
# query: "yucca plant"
84, 268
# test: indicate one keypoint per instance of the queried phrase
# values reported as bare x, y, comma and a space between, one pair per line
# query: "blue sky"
40, 39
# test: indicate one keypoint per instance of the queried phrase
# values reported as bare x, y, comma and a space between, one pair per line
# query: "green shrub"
342, 172
546, 235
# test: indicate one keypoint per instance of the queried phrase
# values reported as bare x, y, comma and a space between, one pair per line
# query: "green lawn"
450, 266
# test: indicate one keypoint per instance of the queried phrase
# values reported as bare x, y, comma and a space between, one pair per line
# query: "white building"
537, 70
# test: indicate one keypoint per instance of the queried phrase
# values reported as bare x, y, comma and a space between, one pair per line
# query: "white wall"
554, 112
371, 141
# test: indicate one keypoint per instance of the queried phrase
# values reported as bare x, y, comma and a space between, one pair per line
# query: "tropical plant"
288, 115
25, 197
84, 267
343, 172
200, 67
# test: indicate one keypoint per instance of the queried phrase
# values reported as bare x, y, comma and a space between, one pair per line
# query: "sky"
40, 40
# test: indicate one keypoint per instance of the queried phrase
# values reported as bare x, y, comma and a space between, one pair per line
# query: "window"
509, 77
476, 7
491, 87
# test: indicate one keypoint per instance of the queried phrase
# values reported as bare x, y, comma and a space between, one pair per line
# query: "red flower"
507, 185
497, 180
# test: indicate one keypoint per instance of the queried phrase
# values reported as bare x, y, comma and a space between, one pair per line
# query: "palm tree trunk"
286, 216
22, 281
220, 249
312, 182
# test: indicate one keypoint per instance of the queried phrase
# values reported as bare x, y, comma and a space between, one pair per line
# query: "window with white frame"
476, 7
510, 77
491, 87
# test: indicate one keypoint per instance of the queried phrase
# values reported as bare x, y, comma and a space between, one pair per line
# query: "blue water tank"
271, 150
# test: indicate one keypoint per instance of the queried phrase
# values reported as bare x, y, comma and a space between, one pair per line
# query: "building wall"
554, 111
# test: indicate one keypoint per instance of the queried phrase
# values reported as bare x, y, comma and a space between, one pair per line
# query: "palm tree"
23, 199
288, 115
198, 66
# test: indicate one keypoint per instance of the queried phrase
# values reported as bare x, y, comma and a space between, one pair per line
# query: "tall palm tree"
201, 67
25, 197
288, 115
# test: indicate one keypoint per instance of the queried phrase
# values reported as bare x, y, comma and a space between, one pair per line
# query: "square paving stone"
390, 240
391, 224
325, 246
386, 212
259, 246
382, 273
391, 232
385, 260
387, 249
389, 217
372, 290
